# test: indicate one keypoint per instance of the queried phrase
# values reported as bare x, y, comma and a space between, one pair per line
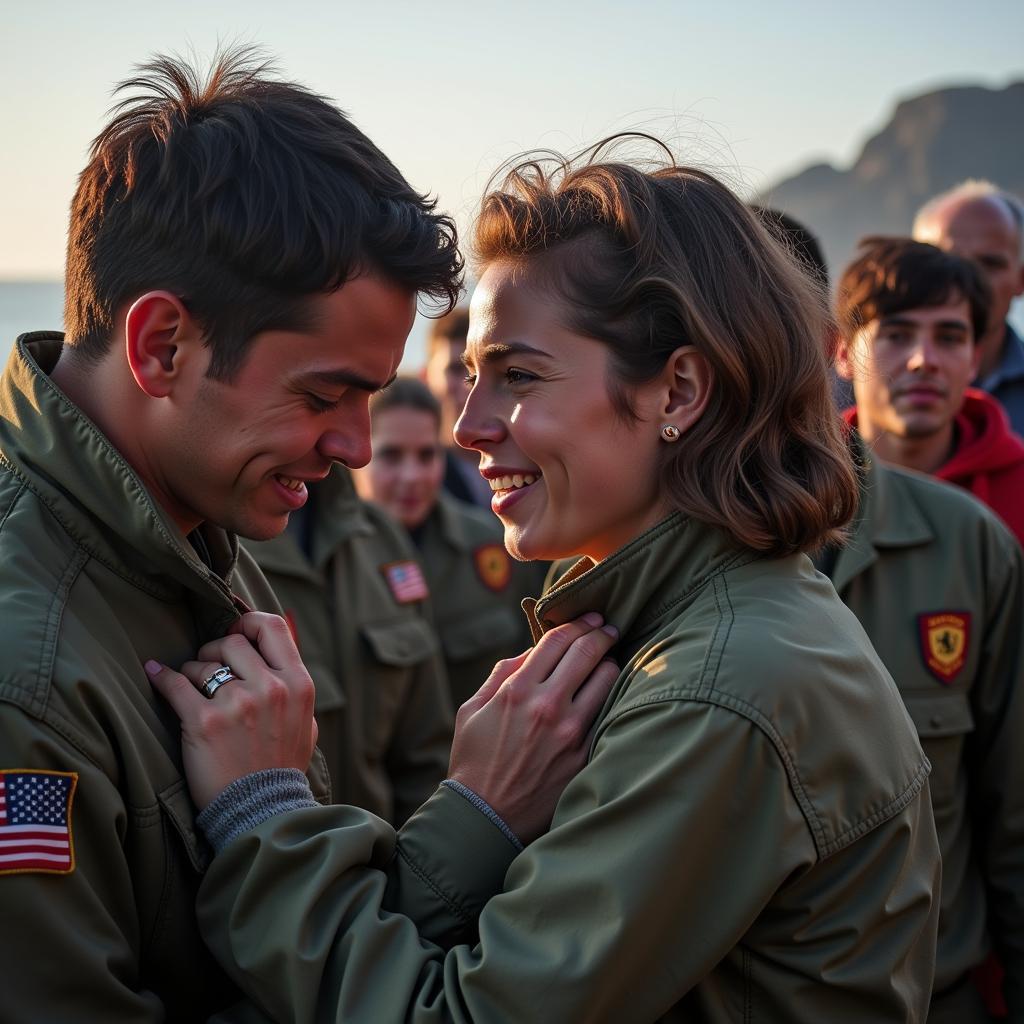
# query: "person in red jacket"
909, 315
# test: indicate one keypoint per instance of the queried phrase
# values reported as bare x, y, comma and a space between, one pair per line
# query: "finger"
272, 637
591, 696
501, 671
554, 644
235, 652
199, 671
176, 689
582, 657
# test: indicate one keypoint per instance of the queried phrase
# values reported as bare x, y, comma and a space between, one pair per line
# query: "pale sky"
450, 90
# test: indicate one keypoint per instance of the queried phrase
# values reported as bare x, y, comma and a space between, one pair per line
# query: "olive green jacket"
382, 701
927, 565
476, 590
94, 580
751, 839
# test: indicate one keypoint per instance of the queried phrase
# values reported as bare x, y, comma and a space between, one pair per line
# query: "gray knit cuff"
486, 810
251, 800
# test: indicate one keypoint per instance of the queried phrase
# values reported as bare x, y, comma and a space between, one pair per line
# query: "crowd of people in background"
400, 594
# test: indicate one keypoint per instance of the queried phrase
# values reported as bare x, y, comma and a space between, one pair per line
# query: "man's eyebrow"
500, 350
345, 378
895, 320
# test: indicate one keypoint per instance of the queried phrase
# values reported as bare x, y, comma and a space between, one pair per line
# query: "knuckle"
560, 638
545, 713
568, 733
234, 643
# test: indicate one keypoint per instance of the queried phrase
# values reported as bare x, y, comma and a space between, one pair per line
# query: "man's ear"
689, 378
844, 358
160, 337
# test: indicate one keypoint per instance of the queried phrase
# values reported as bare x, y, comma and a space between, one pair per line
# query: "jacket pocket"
491, 629
943, 721
395, 651
179, 810
400, 644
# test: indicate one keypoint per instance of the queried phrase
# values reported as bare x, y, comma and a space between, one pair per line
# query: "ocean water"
39, 306
29, 306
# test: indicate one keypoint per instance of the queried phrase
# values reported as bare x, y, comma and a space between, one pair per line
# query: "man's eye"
320, 404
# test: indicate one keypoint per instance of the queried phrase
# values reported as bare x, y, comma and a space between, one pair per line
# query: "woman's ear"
689, 378
160, 336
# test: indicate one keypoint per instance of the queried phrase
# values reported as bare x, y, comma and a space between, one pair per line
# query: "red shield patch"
945, 637
493, 566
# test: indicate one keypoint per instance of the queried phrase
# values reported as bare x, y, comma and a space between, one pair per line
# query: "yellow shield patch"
493, 566
945, 637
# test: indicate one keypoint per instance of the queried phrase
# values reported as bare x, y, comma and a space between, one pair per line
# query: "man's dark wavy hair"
244, 195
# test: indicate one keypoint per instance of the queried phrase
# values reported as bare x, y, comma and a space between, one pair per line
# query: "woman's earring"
669, 433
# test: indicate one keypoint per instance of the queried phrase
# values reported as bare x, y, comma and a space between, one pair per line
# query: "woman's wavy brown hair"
647, 259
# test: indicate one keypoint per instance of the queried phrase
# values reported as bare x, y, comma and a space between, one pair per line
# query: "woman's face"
569, 475
407, 467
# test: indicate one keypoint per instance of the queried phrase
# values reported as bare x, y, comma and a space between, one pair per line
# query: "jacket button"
935, 721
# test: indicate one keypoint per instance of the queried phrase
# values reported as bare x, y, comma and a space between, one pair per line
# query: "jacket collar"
93, 492
338, 513
882, 521
642, 584
446, 515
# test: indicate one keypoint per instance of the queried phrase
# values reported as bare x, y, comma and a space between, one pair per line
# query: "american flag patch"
35, 821
405, 579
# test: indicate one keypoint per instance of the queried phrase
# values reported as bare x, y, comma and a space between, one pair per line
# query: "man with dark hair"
937, 582
242, 272
445, 375
909, 315
985, 224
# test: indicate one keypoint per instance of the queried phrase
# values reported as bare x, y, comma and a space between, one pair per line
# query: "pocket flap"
401, 643
180, 810
484, 630
940, 714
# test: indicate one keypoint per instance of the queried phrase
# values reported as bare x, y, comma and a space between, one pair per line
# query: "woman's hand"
263, 718
518, 741
524, 735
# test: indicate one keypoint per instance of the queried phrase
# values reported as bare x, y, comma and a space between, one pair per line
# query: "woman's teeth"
290, 482
506, 483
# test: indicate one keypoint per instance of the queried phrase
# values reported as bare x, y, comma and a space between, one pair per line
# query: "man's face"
982, 230
446, 378
240, 453
910, 369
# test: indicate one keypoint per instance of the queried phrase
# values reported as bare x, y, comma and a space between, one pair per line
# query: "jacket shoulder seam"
823, 845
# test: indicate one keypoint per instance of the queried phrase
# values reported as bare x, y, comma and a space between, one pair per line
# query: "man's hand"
263, 718
524, 735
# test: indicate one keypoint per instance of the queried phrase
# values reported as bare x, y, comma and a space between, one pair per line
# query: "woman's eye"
514, 376
470, 379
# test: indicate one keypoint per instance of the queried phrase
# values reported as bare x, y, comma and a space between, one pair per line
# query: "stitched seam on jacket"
69, 528
824, 846
456, 908
14, 500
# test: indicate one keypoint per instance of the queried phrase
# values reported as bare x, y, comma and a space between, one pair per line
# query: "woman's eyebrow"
499, 350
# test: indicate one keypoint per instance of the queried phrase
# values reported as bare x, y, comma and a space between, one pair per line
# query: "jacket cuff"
251, 800
450, 859
486, 810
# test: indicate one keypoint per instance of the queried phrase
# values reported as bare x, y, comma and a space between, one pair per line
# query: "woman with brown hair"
751, 836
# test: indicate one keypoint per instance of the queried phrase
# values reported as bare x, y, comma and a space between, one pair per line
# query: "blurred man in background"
938, 584
979, 221
909, 314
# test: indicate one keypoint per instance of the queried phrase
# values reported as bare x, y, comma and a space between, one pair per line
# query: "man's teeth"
506, 483
290, 482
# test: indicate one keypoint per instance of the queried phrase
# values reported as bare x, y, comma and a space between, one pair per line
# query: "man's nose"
347, 440
922, 355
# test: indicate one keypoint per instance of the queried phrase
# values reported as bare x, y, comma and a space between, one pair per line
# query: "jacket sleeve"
995, 757
75, 936
650, 862
417, 758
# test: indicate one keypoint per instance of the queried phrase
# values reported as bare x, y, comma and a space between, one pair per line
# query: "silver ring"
212, 683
